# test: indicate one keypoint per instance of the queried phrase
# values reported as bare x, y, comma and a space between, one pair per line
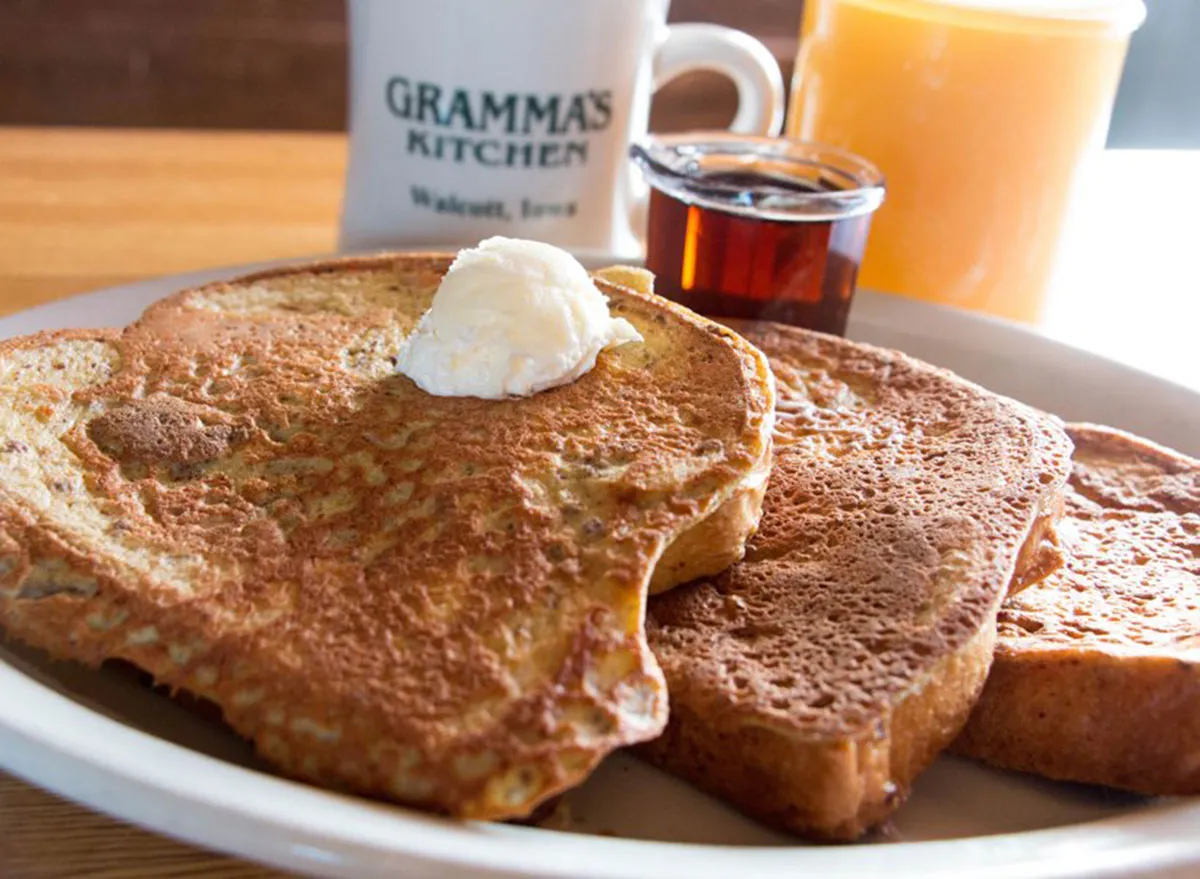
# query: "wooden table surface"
82, 209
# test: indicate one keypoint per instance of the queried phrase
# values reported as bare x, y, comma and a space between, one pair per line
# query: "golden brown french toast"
1097, 670
432, 600
814, 680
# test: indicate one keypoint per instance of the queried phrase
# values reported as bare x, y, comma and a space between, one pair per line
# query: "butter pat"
509, 319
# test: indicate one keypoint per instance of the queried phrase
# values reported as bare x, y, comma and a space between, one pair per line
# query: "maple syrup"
757, 227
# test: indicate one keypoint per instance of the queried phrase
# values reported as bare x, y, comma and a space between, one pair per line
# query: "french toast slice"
432, 600
814, 680
1097, 671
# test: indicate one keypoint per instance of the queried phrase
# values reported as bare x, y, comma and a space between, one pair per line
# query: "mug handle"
739, 56
736, 54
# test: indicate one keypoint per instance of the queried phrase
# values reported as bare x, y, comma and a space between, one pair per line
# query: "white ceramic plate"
101, 738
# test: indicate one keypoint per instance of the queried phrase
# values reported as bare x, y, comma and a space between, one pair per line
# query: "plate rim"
366, 844
49, 727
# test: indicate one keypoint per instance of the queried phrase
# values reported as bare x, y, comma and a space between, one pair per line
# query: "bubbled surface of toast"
1097, 671
431, 600
1131, 538
812, 681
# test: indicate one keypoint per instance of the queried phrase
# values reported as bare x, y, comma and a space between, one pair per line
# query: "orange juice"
978, 113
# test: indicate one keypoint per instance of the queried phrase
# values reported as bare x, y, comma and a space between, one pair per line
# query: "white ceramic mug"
471, 118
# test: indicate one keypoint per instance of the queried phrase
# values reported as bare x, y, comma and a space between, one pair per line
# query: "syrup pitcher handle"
745, 60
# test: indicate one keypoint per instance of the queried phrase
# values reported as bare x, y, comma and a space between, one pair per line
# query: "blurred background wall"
280, 64
1158, 104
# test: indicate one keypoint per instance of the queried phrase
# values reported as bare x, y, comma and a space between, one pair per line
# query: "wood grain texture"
85, 208
44, 837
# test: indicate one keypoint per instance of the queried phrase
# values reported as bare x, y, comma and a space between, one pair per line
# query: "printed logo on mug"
471, 118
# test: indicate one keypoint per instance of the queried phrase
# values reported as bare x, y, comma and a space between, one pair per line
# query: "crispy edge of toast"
1129, 722
1088, 715
863, 779
718, 540
853, 781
